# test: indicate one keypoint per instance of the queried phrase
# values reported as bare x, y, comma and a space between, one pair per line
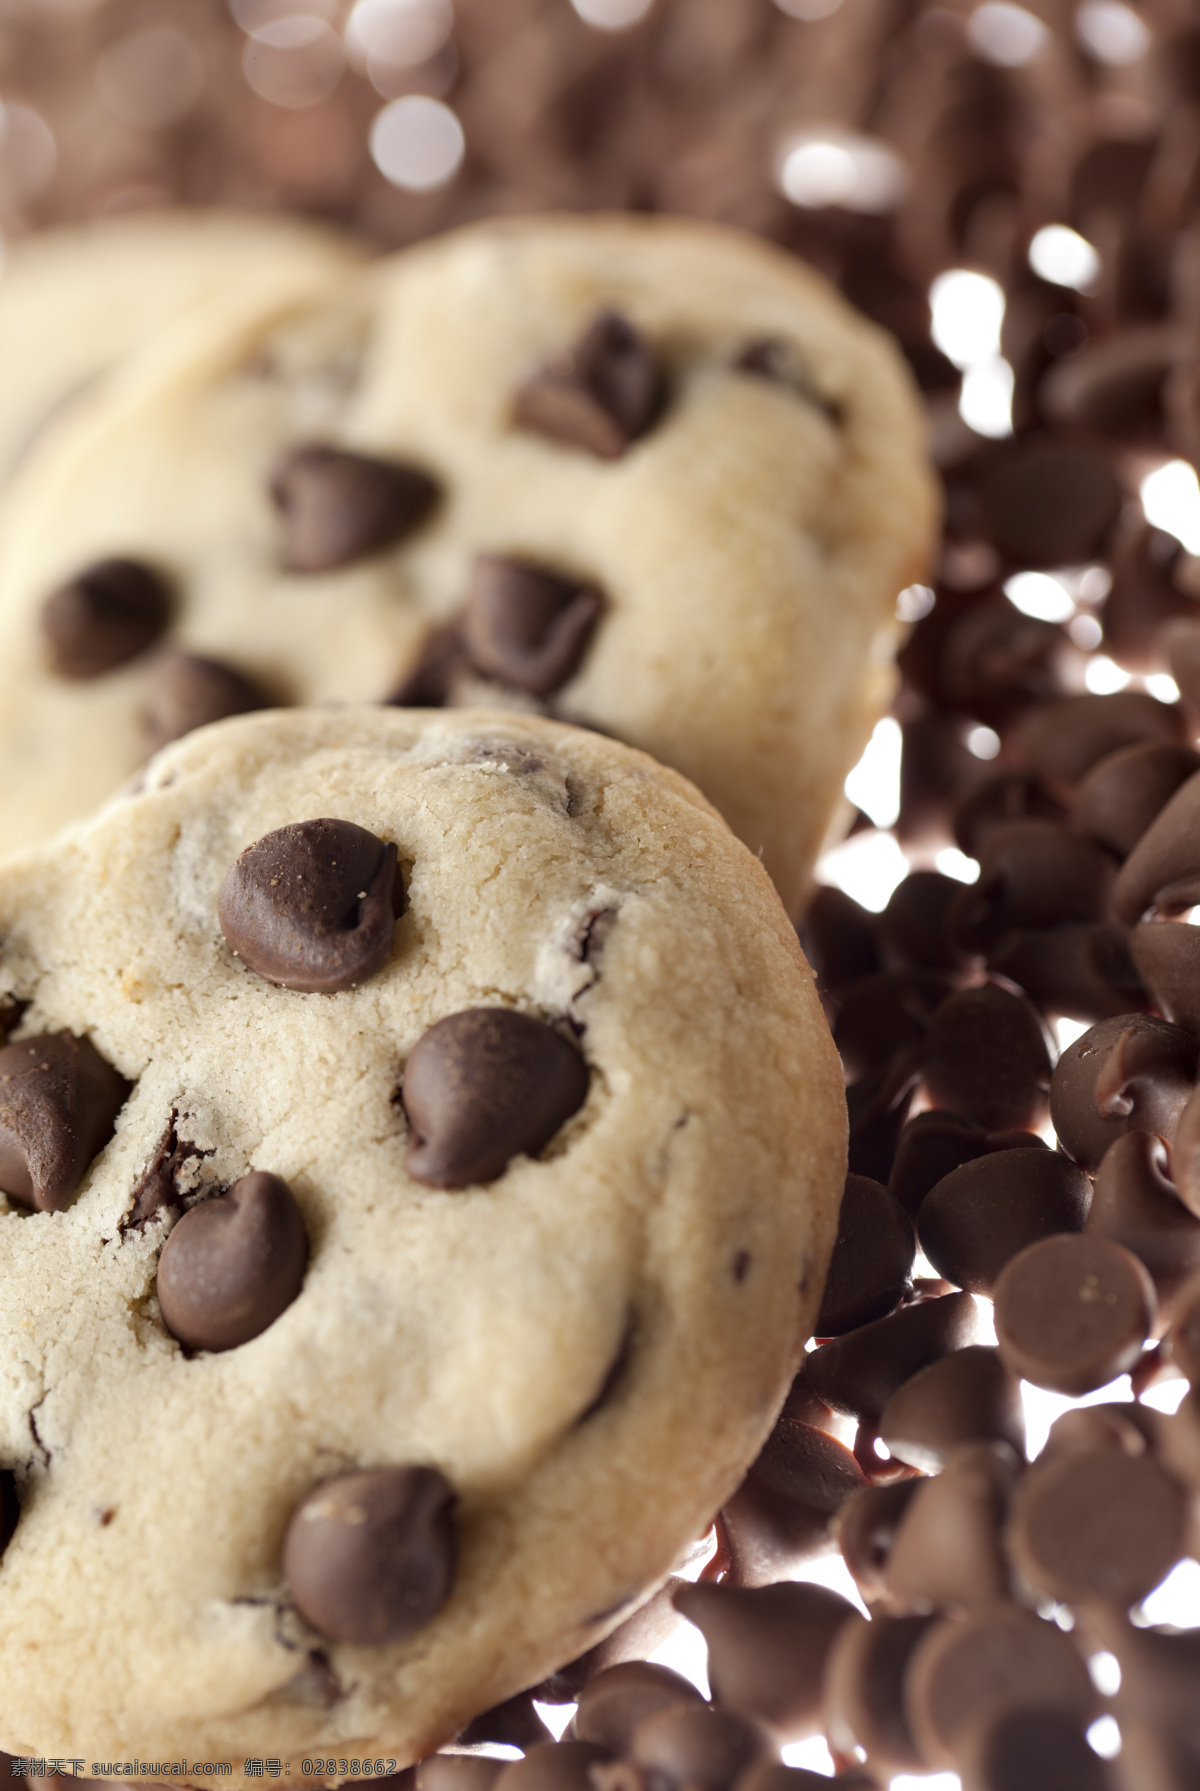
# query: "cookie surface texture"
641, 474
528, 1391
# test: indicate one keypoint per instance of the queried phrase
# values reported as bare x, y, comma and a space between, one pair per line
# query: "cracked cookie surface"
543, 1381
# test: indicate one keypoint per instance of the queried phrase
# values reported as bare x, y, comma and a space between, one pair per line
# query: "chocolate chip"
946, 1549
884, 1018
1184, 1334
1135, 1204
10, 1508
458, 1772
568, 1766
527, 626
987, 1057
1097, 1525
995, 661
780, 1516
980, 1215
931, 1145
1167, 957
233, 1264
186, 692
912, 927
864, 1690
877, 1106
840, 940
157, 1188
313, 905
936, 771
514, 1723
866, 1529
1072, 1313
481, 1087
690, 1745
1032, 875
430, 681
767, 1649
1077, 972
872, 1259
59, 1100
968, 1396
1131, 1073
105, 616
613, 1703
1144, 600
652, 1624
969, 1669
1008, 796
338, 507
1159, 1671
369, 1557
1034, 1750
771, 1776
600, 395
1114, 387
1060, 742
859, 1373
1180, 646
1049, 505
780, 364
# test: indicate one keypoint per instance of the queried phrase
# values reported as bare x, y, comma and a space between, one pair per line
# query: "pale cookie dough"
590, 1346
75, 302
746, 548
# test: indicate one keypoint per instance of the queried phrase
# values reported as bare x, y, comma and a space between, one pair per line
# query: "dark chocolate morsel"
864, 1690
690, 1746
877, 1106
337, 507
987, 1057
10, 1507
105, 616
770, 1775
883, 1018
1184, 1334
59, 1101
931, 1145
482, 1086
514, 1723
1032, 875
313, 905
1180, 643
980, 1215
1131, 1073
866, 1528
1079, 972
968, 1396
968, 1669
913, 925
1006, 797
1059, 742
1167, 956
566, 1766
778, 362
233, 1264
1046, 504
1098, 1524
996, 661
1124, 793
369, 1557
458, 1772
599, 395
858, 1373
1034, 1749
1072, 1313
429, 681
767, 1649
613, 1703
780, 1515
1145, 600
1162, 873
186, 692
1114, 387
946, 1551
840, 940
1159, 1671
872, 1259
1135, 1204
527, 626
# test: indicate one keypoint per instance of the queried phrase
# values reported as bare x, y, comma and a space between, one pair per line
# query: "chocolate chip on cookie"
599, 395
103, 617
527, 626
776, 361
480, 1087
58, 1102
370, 1557
338, 507
187, 691
233, 1264
313, 906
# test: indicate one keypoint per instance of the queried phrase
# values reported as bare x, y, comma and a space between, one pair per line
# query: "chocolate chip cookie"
421, 1148
637, 473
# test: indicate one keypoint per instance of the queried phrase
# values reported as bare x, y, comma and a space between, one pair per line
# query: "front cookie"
448, 1151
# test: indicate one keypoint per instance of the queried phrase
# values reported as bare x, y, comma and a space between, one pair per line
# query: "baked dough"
590, 1346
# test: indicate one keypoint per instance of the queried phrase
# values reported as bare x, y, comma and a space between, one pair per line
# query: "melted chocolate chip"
105, 616
369, 1557
186, 692
527, 626
968, 1396
59, 1100
872, 1259
233, 1264
987, 1057
338, 507
767, 1649
980, 1215
482, 1086
1072, 1313
600, 395
1131, 1073
312, 906
1097, 1525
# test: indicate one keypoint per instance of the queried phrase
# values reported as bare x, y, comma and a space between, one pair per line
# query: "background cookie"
656, 476
523, 1329
74, 302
